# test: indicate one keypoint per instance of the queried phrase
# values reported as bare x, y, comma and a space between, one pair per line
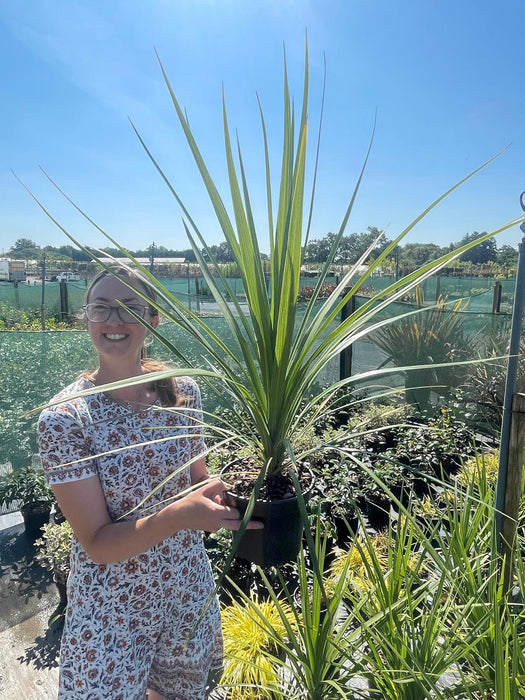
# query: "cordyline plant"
278, 347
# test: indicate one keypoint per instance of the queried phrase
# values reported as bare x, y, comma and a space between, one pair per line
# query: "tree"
507, 256
72, 252
365, 240
24, 249
222, 252
350, 250
114, 252
481, 253
417, 254
316, 250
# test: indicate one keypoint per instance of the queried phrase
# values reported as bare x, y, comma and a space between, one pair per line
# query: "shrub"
252, 655
54, 547
480, 468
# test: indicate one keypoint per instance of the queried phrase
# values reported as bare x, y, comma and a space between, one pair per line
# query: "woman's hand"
205, 509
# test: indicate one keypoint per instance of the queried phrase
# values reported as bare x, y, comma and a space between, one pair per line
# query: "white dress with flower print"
147, 620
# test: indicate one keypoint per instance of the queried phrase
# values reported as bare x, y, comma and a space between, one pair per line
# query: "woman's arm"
198, 471
84, 506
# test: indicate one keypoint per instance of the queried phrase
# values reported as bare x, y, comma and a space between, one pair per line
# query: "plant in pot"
27, 488
383, 485
437, 447
340, 491
253, 659
278, 347
356, 562
376, 425
429, 517
309, 632
479, 397
481, 469
53, 553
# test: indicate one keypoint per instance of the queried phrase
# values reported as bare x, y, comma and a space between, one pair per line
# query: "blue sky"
445, 76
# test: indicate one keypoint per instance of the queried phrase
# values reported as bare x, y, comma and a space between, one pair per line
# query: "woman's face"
114, 337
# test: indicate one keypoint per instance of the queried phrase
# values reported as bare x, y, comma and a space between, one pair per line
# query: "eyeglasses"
98, 313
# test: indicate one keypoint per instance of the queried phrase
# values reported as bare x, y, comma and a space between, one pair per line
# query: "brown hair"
164, 388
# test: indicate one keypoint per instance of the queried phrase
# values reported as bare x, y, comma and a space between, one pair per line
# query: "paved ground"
28, 598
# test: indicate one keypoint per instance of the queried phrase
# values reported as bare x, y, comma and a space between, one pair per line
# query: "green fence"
67, 299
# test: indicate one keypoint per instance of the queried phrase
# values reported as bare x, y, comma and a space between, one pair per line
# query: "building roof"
147, 261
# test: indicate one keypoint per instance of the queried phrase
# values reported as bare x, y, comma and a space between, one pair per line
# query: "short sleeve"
63, 446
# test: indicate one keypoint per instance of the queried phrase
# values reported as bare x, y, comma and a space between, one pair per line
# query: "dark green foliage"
24, 485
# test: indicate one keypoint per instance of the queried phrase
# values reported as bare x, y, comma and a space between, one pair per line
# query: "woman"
141, 620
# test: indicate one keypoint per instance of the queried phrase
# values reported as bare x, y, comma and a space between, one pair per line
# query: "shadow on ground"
28, 595
45, 651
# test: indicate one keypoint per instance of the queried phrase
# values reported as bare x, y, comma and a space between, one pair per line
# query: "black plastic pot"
345, 528
432, 527
378, 511
60, 578
279, 541
450, 465
36, 515
421, 487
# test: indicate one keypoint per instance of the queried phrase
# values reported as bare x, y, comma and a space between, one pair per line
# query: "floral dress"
150, 620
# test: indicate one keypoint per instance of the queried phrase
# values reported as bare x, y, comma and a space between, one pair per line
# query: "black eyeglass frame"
139, 309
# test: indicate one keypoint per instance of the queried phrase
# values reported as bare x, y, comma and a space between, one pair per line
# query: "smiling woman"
140, 578
116, 329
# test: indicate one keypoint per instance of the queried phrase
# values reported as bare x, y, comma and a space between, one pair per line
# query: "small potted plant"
54, 552
356, 561
26, 487
376, 425
435, 448
423, 343
481, 470
382, 484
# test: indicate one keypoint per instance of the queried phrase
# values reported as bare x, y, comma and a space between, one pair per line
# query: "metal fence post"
64, 305
510, 387
345, 357
42, 302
